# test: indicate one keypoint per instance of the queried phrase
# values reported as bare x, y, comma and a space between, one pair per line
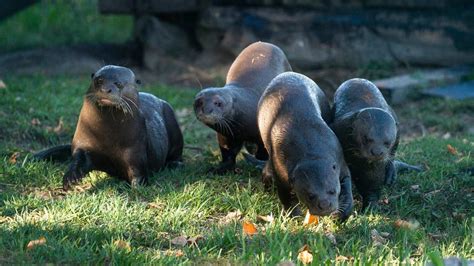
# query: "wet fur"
122, 132
306, 160
235, 121
352, 98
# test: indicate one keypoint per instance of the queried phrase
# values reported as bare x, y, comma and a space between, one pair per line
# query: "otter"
231, 110
306, 160
367, 128
120, 131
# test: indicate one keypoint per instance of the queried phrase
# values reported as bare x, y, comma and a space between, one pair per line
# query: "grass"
103, 221
84, 225
59, 22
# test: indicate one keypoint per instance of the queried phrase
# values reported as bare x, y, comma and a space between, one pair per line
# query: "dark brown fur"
122, 132
368, 130
306, 160
231, 110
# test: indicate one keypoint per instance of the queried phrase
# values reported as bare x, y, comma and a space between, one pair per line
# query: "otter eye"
138, 81
119, 85
99, 81
333, 167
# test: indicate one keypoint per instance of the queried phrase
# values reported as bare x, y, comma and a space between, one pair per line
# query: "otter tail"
404, 167
59, 153
249, 158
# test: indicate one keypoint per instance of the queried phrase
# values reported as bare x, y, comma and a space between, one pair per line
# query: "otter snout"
376, 153
209, 109
323, 204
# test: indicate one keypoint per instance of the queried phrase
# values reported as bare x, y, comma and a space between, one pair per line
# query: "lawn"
103, 220
186, 216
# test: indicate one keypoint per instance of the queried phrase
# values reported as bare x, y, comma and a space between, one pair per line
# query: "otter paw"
296, 212
71, 178
137, 181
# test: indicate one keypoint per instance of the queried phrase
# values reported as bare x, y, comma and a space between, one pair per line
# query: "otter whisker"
226, 123
130, 101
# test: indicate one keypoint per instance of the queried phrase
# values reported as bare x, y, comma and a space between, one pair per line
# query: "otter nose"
376, 152
324, 204
218, 102
106, 89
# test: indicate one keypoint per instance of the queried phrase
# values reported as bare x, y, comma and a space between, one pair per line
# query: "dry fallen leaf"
249, 228
431, 193
192, 241
415, 187
452, 150
122, 245
174, 253
459, 215
267, 218
179, 241
310, 219
377, 238
385, 201
2, 84
304, 255
35, 122
60, 127
344, 258
231, 216
38, 242
412, 225
14, 157
154, 205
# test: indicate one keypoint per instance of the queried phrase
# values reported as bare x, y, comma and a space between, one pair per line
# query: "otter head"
375, 133
114, 86
213, 106
316, 184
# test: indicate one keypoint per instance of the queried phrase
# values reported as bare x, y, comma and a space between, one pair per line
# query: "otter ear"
92, 75
138, 81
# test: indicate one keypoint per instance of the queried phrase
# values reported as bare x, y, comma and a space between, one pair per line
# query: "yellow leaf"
14, 157
452, 150
402, 224
249, 228
38, 242
305, 255
123, 245
310, 219
266, 218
